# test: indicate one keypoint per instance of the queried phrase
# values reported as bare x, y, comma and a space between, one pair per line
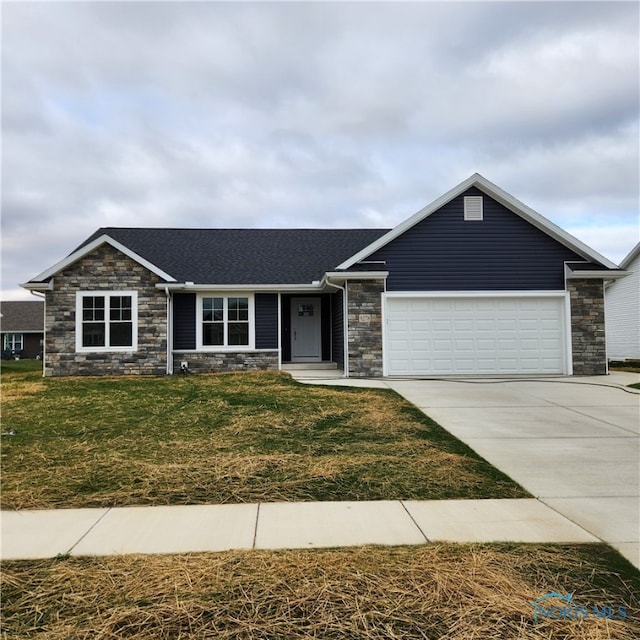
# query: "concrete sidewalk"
282, 525
572, 442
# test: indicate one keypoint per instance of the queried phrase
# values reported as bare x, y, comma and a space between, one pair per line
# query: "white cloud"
309, 114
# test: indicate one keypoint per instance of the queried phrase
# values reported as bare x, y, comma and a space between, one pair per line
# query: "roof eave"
87, 249
596, 274
33, 285
193, 287
355, 275
630, 257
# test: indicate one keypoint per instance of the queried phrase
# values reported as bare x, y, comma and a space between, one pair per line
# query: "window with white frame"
13, 342
226, 321
106, 321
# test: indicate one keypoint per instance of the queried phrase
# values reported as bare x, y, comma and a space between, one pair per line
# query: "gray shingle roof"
22, 316
243, 256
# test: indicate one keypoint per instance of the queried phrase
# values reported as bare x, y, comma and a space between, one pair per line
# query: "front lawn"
437, 591
248, 437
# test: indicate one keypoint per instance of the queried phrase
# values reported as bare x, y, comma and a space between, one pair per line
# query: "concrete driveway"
571, 442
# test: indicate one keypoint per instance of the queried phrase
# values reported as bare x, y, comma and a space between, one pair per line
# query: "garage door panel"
480, 335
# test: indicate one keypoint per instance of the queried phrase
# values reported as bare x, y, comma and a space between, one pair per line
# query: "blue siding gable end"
445, 252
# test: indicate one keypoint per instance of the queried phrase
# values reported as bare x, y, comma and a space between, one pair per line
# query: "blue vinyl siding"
502, 252
184, 321
266, 305
337, 328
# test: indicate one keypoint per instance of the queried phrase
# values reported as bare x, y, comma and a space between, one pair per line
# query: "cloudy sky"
328, 114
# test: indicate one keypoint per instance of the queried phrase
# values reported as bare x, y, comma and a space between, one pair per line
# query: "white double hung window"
225, 322
106, 321
13, 341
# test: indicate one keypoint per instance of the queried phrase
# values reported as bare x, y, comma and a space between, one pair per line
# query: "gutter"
192, 287
592, 274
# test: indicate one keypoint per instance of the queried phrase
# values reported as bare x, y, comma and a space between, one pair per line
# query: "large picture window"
226, 321
106, 321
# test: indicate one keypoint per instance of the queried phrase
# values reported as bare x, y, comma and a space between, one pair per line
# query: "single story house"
622, 309
475, 283
22, 328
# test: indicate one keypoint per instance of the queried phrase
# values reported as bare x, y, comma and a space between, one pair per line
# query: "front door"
305, 330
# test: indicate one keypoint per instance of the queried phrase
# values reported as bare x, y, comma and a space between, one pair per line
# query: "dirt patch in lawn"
458, 592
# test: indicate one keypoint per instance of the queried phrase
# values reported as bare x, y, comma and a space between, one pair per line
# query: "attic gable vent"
473, 207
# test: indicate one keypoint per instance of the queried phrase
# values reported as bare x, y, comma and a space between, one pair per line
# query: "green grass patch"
89, 442
21, 366
632, 366
448, 591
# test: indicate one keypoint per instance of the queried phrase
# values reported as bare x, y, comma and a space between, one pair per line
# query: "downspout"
169, 331
44, 325
345, 324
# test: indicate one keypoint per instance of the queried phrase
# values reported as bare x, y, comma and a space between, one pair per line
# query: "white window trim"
11, 338
226, 348
106, 349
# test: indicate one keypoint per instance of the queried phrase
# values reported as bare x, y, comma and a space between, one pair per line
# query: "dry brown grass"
15, 389
458, 592
227, 438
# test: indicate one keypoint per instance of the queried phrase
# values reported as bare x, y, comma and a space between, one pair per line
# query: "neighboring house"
622, 308
22, 328
475, 283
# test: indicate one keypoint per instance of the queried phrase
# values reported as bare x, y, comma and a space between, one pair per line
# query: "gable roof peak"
500, 195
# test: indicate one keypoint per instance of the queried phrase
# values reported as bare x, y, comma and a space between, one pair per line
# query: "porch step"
309, 366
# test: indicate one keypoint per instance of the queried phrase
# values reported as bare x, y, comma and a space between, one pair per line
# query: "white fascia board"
498, 194
24, 331
407, 224
542, 223
542, 293
355, 275
613, 274
630, 257
187, 286
38, 286
88, 248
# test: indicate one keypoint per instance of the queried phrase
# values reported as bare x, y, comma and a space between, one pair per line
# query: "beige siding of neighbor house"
105, 269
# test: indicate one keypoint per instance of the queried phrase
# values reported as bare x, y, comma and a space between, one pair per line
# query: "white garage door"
474, 335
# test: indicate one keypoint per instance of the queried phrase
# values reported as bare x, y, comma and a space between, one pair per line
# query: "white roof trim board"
92, 246
501, 196
630, 257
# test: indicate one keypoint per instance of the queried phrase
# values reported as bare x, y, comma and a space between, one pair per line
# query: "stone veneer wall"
587, 327
201, 362
364, 315
105, 269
